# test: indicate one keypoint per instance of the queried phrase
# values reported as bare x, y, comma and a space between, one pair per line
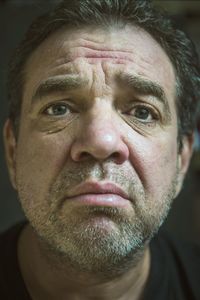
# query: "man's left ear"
184, 158
10, 150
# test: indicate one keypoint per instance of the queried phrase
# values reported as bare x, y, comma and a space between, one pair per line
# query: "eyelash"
52, 105
154, 113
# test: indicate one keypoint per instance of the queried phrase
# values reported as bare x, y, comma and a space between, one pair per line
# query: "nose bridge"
101, 118
100, 126
99, 134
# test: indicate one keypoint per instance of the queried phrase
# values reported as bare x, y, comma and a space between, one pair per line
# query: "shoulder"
9, 238
172, 246
8, 244
180, 261
10, 277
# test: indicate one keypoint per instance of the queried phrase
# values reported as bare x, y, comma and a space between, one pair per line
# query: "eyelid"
57, 102
144, 105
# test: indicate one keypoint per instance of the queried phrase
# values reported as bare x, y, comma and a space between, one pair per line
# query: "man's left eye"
143, 113
57, 110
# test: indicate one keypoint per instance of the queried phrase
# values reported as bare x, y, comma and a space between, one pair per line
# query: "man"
103, 101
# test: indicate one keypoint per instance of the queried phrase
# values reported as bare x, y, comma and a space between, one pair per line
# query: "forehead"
130, 49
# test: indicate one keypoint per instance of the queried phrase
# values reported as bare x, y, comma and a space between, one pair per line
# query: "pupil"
142, 113
59, 109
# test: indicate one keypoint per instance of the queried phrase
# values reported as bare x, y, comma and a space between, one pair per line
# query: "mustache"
75, 174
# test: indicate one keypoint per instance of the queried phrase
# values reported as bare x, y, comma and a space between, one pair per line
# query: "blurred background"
15, 16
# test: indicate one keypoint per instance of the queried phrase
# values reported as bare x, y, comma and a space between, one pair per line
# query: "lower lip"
111, 200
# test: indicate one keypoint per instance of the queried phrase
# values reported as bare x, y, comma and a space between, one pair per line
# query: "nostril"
115, 155
87, 147
84, 155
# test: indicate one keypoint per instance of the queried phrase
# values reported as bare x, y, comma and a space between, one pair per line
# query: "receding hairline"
86, 28
48, 32
72, 29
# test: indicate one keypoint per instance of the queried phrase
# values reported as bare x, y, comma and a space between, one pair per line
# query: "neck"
46, 278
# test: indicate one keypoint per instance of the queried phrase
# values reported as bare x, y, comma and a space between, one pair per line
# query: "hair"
103, 13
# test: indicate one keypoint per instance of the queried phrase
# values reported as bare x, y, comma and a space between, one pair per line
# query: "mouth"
99, 194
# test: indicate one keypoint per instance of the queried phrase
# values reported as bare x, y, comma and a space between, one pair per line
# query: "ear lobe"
184, 157
10, 150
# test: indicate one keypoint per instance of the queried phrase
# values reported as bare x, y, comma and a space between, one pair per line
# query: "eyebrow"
67, 82
143, 86
59, 83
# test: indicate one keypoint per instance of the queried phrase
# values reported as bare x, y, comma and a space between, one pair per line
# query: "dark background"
15, 16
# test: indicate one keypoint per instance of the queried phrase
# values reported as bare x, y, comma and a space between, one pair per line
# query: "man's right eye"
59, 109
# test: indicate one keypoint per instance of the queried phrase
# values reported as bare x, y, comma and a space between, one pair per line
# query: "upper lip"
97, 188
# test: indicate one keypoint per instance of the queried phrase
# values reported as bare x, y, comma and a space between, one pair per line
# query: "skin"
104, 131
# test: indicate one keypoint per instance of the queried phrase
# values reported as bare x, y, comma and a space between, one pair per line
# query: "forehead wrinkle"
101, 80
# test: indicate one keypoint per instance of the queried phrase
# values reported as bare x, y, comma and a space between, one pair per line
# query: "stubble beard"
86, 246
105, 241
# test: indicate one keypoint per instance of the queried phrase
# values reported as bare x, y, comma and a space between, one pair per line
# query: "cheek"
40, 159
155, 161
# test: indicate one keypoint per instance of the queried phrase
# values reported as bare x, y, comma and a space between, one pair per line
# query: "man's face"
97, 162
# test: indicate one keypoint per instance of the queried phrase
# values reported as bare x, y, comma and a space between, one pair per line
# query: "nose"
100, 138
